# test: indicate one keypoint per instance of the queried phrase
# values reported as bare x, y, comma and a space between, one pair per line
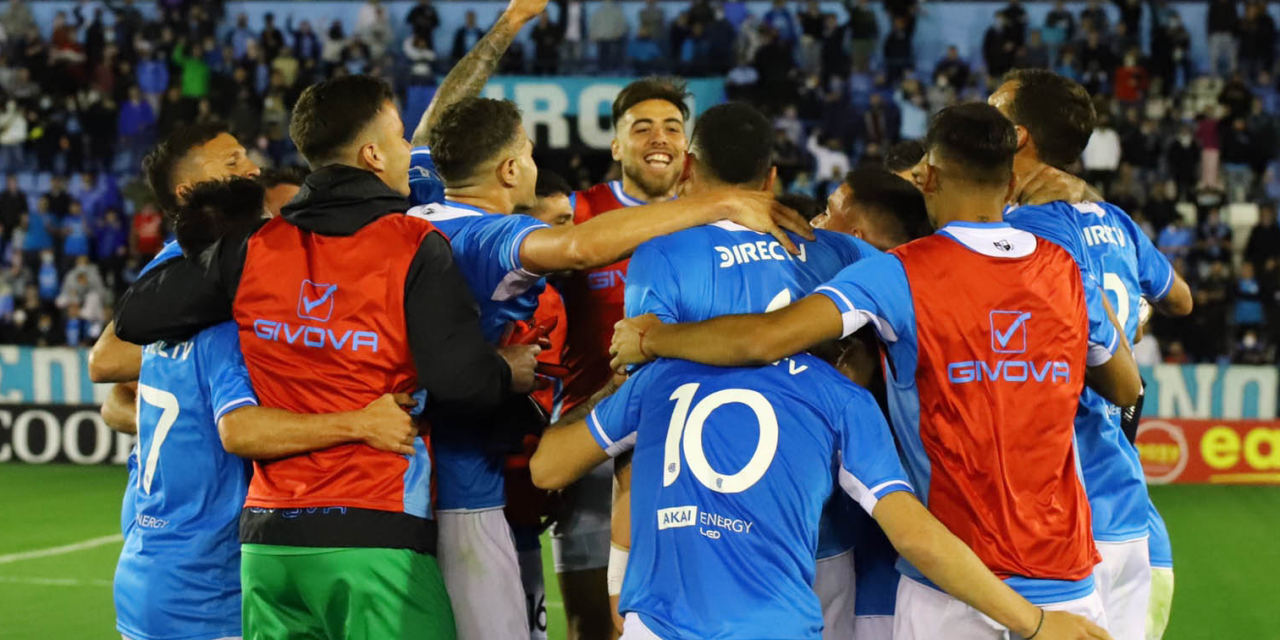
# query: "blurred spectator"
13, 206
835, 62
779, 17
1257, 39
609, 32
46, 276
1210, 148
1127, 192
333, 44
953, 68
1183, 158
59, 198
653, 20
1015, 16
111, 244
13, 135
1059, 26
913, 111
271, 39
148, 235
1035, 54
195, 71
373, 27
423, 21
1223, 25
1252, 349
1140, 143
863, 31
1213, 239
1171, 52
1264, 238
1175, 240
1102, 154
643, 52
573, 17
880, 124
1130, 15
786, 156
1237, 155
420, 56
1236, 97
17, 18
1212, 302
1248, 299
466, 36
899, 52
829, 158
306, 44
999, 47
1094, 17
1131, 80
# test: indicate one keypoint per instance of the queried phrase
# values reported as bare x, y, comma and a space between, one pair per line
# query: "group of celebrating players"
795, 406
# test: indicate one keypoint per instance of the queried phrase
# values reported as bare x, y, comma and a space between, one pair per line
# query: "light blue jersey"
724, 511
725, 268
486, 248
425, 184
1129, 267
1158, 544
179, 572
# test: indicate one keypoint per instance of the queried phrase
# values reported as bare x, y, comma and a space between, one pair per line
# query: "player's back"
179, 571
730, 473
1128, 267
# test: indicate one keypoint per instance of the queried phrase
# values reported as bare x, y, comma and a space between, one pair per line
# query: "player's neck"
632, 188
976, 205
487, 198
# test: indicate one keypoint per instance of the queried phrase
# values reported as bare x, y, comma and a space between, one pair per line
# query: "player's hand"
523, 360
523, 11
627, 348
1048, 184
759, 211
1060, 625
385, 424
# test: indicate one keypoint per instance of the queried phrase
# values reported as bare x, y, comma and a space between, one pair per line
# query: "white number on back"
168, 405
685, 432
1112, 282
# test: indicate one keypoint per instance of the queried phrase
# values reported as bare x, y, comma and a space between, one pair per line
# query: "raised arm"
737, 340
472, 72
1117, 379
263, 433
614, 235
113, 359
952, 565
1178, 302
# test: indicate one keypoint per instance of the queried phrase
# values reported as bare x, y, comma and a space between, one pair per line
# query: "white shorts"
535, 592
833, 581
1124, 583
1161, 602
924, 613
633, 629
477, 556
580, 540
873, 628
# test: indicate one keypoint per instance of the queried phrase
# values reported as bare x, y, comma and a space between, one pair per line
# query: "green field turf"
1226, 546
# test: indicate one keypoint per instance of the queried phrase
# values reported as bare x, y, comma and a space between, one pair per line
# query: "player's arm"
619, 534
1178, 302
113, 359
260, 433
566, 453
736, 340
120, 411
614, 235
469, 76
1049, 184
1117, 377
946, 561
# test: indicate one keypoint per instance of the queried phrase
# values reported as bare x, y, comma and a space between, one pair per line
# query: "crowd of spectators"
82, 99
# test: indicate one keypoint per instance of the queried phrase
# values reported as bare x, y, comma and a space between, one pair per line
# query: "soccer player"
1054, 119
281, 187
725, 268
975, 319
321, 330
1161, 575
482, 152
178, 576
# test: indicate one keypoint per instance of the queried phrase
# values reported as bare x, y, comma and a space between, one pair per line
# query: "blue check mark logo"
1002, 341
315, 307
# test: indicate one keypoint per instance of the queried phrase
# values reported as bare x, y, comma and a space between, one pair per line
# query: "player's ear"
615, 150
371, 156
1023, 136
686, 171
508, 172
769, 180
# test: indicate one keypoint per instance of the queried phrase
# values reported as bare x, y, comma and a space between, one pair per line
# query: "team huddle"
911, 417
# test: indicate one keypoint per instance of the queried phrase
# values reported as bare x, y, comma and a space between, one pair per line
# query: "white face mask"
1185, 139
1250, 341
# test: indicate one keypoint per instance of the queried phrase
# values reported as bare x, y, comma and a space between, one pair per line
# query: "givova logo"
674, 517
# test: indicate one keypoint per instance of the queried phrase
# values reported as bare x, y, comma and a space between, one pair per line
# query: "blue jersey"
875, 572
724, 512
425, 184
1158, 544
486, 248
179, 572
725, 268
1129, 267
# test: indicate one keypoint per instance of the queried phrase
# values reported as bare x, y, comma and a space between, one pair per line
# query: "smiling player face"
220, 158
650, 143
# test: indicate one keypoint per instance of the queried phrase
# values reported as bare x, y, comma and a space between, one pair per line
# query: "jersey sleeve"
425, 184
497, 239
851, 249
614, 420
1155, 273
873, 291
1058, 225
651, 284
869, 465
223, 370
169, 252
1103, 337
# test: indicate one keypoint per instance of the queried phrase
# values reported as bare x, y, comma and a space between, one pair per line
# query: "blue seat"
27, 181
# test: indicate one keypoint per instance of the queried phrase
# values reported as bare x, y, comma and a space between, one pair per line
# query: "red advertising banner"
1174, 450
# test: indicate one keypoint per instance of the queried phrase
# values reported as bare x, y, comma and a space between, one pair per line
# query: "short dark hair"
904, 155
292, 174
1056, 112
159, 165
330, 114
896, 203
551, 183
669, 88
735, 142
470, 133
215, 209
977, 140
807, 206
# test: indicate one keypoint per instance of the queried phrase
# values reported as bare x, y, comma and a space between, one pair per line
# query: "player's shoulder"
600, 198
169, 252
218, 339
853, 247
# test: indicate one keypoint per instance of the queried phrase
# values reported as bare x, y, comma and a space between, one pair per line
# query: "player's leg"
1124, 585
580, 547
924, 613
835, 583
1161, 602
529, 551
272, 606
387, 593
873, 628
482, 573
